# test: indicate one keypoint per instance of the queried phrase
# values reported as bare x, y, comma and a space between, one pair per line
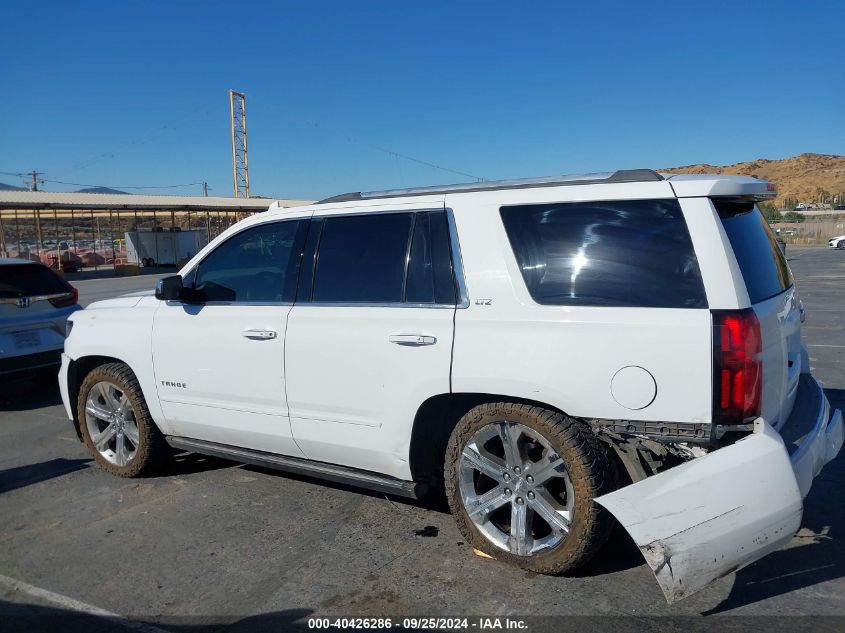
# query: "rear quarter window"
612, 253
762, 263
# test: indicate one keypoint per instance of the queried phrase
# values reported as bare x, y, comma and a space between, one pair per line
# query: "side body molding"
711, 516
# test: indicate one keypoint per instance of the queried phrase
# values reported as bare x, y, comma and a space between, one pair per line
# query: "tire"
582, 471
130, 423
841, 244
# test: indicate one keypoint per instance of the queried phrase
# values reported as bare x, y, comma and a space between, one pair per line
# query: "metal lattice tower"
240, 162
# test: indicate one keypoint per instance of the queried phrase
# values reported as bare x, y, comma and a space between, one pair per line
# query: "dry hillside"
801, 178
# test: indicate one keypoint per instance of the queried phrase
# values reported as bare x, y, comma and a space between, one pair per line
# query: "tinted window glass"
621, 253
362, 258
257, 265
762, 263
28, 280
430, 266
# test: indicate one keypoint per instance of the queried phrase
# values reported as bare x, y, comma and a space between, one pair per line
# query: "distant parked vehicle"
839, 207
163, 248
837, 242
35, 303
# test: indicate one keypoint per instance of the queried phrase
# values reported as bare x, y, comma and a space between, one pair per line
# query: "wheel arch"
433, 424
78, 369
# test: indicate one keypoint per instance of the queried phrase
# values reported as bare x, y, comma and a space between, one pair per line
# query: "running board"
330, 472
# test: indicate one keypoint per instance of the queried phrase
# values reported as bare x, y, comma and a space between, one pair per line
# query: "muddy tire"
521, 483
116, 424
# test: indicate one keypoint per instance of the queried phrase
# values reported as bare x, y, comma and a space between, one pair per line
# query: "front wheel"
521, 483
115, 423
841, 244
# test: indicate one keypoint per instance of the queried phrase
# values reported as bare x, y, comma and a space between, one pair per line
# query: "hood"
128, 301
140, 293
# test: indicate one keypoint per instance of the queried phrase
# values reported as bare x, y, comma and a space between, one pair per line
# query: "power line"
378, 148
80, 184
416, 160
77, 184
30, 178
140, 140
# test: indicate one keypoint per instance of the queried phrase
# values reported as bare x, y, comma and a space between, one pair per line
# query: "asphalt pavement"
212, 545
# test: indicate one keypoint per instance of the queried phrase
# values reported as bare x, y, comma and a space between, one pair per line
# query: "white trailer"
163, 248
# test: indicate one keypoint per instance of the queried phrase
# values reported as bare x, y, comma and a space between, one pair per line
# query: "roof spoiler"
721, 186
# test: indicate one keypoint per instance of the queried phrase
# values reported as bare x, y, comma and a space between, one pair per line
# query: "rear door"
771, 291
370, 336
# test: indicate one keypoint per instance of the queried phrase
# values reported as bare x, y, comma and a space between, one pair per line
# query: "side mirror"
169, 288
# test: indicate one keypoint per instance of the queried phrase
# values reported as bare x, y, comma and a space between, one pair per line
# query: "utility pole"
240, 162
33, 186
205, 189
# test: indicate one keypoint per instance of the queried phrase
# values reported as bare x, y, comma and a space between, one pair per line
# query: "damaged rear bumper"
713, 515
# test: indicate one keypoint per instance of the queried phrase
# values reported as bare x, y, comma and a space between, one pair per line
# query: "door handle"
260, 335
415, 340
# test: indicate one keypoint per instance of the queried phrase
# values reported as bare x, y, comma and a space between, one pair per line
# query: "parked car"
34, 306
548, 352
839, 207
836, 242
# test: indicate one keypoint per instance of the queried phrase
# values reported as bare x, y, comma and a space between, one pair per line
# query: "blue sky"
135, 93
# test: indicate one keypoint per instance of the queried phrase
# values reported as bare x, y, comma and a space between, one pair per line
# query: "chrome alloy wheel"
111, 423
515, 488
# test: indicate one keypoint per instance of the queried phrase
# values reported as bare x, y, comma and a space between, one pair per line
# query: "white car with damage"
547, 352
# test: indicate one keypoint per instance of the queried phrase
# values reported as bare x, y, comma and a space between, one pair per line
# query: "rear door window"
381, 258
762, 263
612, 253
430, 278
361, 258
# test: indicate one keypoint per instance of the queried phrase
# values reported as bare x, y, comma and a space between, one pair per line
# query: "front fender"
120, 329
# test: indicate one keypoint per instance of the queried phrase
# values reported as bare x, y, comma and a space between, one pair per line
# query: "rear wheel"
521, 483
116, 425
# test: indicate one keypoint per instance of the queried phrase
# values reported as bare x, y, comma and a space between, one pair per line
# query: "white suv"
550, 352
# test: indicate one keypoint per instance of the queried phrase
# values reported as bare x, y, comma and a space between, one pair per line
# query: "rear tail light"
737, 366
63, 301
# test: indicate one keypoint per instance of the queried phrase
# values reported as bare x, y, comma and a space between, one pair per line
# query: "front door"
219, 356
370, 339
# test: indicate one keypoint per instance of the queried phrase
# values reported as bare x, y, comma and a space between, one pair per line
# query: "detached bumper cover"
711, 516
813, 434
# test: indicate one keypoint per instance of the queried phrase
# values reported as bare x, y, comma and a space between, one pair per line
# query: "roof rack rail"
622, 175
